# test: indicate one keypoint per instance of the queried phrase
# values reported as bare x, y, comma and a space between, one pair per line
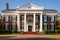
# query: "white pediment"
29, 6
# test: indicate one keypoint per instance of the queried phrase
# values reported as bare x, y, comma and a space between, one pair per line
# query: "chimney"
7, 6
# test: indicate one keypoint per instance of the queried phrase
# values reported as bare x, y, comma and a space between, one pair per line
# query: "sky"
47, 4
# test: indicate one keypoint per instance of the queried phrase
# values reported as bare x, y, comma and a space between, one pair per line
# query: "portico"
30, 25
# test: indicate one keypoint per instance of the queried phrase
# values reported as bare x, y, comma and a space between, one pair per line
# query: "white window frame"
52, 18
45, 24
36, 19
6, 18
14, 18
22, 18
52, 26
37, 28
13, 26
45, 18
6, 26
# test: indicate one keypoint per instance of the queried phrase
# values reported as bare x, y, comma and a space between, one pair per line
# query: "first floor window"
45, 26
13, 27
52, 26
37, 28
22, 27
6, 26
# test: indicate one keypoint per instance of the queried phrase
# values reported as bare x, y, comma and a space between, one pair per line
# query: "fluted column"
41, 28
18, 23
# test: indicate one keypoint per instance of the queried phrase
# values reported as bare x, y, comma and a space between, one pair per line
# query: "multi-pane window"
14, 18
6, 26
14, 26
45, 26
45, 18
6, 18
22, 18
52, 18
29, 19
36, 18
52, 26
37, 28
22, 28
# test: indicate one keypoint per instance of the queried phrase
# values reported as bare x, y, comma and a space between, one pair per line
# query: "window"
52, 18
52, 26
14, 18
6, 18
6, 26
45, 26
22, 18
45, 18
22, 28
36, 18
14, 27
29, 19
37, 28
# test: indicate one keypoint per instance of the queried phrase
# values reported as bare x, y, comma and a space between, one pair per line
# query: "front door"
30, 28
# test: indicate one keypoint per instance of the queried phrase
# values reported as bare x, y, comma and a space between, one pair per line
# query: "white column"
41, 23
18, 23
25, 29
34, 23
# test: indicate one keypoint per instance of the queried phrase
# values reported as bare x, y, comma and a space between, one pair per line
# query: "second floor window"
14, 18
52, 18
36, 18
45, 18
6, 18
29, 19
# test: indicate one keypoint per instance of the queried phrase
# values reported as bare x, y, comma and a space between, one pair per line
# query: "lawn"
7, 35
51, 36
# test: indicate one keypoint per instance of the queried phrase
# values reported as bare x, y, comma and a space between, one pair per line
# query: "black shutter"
4, 18
43, 18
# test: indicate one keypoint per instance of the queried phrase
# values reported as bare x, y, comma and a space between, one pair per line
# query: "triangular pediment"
29, 6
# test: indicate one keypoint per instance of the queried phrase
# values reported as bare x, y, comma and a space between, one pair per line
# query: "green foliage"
49, 32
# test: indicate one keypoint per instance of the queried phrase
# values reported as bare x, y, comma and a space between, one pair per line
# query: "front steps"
34, 33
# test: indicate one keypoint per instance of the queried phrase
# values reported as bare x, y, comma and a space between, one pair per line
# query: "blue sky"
47, 4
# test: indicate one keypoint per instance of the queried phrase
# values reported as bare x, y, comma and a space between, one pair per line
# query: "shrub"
49, 32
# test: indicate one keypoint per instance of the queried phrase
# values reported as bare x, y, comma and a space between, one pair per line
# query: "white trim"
18, 23
41, 23
25, 28
33, 22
